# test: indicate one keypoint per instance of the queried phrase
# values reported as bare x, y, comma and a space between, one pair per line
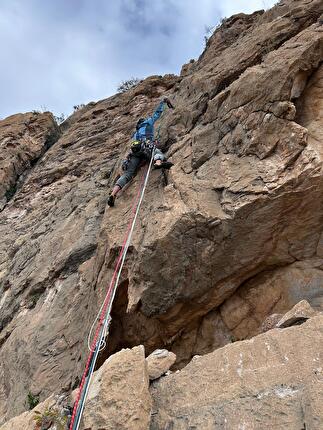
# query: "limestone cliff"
231, 235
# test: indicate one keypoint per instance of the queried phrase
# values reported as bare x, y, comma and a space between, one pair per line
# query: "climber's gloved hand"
169, 104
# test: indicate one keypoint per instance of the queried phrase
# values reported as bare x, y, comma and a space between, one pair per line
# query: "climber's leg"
132, 167
112, 196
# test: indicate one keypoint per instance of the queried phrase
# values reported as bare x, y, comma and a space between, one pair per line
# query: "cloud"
231, 7
62, 53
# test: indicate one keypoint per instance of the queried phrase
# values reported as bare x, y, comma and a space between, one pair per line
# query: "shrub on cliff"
128, 84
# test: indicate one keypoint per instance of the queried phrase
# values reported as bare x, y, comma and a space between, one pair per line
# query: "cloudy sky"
59, 53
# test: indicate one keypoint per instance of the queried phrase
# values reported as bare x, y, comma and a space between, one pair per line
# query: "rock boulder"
299, 314
119, 396
273, 381
159, 362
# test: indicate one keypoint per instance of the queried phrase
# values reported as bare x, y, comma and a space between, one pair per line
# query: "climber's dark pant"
134, 164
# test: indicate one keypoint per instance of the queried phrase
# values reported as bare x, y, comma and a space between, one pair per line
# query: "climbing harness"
147, 147
103, 317
144, 146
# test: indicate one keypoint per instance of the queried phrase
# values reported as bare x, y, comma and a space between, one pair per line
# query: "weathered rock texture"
298, 315
23, 139
119, 396
243, 204
48, 260
273, 381
232, 234
159, 362
26, 420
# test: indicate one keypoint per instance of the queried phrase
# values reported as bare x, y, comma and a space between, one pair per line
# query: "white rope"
123, 256
101, 342
131, 231
97, 318
95, 356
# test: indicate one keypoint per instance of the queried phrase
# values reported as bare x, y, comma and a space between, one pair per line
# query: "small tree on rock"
128, 84
60, 118
78, 107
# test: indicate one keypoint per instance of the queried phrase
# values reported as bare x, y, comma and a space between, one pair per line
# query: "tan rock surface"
246, 164
273, 291
48, 263
270, 322
23, 139
271, 382
26, 420
246, 199
119, 396
299, 314
243, 203
159, 362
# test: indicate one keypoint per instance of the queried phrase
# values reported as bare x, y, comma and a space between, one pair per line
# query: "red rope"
106, 302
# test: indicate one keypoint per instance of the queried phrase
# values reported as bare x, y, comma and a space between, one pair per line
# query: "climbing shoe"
111, 200
164, 165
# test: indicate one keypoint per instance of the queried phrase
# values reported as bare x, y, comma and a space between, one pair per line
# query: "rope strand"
106, 307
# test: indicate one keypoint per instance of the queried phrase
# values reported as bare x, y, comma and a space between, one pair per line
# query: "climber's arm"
157, 114
159, 110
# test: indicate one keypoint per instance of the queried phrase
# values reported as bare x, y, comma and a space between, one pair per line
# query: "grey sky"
58, 53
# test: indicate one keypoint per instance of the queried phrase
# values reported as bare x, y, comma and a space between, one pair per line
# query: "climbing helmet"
136, 146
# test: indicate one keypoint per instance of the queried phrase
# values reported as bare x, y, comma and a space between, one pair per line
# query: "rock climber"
141, 150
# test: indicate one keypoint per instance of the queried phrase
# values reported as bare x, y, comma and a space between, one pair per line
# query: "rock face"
244, 199
49, 233
245, 163
231, 235
119, 395
23, 139
273, 291
272, 381
299, 314
159, 362
26, 420
270, 322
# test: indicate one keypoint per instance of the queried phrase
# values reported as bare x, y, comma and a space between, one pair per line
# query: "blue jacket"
146, 130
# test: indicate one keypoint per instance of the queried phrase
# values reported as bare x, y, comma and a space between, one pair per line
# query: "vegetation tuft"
32, 401
78, 107
11, 192
59, 119
128, 84
49, 417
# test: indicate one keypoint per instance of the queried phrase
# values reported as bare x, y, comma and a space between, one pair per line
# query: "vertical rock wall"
24, 138
240, 212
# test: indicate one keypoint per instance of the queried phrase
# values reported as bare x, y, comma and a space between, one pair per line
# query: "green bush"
50, 416
127, 85
77, 107
32, 401
60, 119
11, 192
